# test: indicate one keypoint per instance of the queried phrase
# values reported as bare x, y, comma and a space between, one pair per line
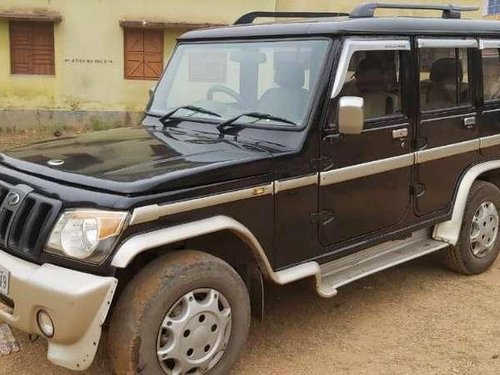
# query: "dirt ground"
417, 318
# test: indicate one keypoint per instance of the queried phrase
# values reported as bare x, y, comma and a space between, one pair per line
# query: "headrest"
491, 68
290, 75
446, 69
370, 76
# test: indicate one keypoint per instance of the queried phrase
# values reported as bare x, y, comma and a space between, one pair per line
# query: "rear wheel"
185, 313
478, 244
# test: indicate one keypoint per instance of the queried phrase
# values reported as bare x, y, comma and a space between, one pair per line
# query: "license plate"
4, 280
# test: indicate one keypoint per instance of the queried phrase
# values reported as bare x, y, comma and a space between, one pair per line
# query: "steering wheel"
225, 90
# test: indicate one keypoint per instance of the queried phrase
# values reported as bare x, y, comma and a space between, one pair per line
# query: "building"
94, 61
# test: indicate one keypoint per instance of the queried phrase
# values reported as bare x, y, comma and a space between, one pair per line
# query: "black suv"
328, 147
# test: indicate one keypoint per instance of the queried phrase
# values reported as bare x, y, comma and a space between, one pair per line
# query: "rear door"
447, 135
365, 186
490, 114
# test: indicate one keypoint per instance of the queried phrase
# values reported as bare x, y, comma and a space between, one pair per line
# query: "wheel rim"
484, 229
194, 333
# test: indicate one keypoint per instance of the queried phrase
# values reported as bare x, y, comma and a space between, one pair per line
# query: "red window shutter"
32, 48
143, 54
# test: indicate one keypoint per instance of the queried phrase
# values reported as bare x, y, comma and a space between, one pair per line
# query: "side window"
375, 76
491, 73
444, 78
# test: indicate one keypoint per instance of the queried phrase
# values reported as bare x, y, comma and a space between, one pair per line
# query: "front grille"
25, 227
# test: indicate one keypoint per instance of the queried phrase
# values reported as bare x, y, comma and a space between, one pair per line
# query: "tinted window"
444, 79
491, 74
374, 76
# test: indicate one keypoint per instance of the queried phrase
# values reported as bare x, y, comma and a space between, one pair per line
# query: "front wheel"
479, 244
185, 313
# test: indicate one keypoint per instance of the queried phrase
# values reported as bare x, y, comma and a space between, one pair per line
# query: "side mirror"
351, 115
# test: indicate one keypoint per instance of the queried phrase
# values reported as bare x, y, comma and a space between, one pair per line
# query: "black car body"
274, 200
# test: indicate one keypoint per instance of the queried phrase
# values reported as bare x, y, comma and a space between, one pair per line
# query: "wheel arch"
220, 236
449, 231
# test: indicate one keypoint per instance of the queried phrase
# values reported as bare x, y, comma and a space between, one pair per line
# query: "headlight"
87, 235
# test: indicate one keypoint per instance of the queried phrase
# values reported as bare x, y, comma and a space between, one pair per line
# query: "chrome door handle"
400, 133
469, 122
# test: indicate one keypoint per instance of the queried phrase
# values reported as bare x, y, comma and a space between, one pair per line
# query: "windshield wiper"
193, 108
258, 115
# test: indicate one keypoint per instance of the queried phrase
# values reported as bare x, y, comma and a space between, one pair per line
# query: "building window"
493, 6
143, 54
32, 48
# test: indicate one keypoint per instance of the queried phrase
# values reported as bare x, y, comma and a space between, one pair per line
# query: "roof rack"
250, 17
449, 11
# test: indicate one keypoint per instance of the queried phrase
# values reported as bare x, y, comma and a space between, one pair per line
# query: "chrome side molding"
154, 212
365, 169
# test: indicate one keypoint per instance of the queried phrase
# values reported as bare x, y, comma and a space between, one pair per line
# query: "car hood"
138, 159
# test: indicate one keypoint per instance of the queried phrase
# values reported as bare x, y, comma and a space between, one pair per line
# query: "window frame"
351, 45
469, 44
32, 47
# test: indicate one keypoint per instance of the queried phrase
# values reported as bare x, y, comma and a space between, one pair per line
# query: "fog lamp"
45, 323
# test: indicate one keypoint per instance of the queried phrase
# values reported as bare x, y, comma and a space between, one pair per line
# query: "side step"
366, 262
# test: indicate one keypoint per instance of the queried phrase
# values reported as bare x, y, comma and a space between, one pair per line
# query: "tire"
164, 287
471, 256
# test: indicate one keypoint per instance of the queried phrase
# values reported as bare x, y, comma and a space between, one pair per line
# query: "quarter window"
375, 76
143, 54
491, 74
444, 78
32, 48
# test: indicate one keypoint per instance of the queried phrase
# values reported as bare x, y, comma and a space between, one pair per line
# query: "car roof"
351, 26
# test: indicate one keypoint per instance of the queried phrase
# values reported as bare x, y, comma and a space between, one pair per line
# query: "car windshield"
276, 78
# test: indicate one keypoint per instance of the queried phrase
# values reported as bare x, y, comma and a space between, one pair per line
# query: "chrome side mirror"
351, 114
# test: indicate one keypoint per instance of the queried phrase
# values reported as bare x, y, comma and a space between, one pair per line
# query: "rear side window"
375, 76
491, 74
444, 78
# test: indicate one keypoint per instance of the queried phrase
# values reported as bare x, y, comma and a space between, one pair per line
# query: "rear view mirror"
351, 115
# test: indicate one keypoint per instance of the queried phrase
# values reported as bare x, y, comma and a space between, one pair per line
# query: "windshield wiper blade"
259, 115
193, 108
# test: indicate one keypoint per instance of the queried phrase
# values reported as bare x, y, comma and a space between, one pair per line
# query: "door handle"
400, 133
469, 122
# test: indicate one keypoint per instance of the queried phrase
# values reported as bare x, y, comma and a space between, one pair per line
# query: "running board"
366, 262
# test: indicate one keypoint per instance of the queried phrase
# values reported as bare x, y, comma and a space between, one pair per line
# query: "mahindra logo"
13, 199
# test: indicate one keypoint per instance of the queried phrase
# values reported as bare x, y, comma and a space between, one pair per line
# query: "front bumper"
77, 302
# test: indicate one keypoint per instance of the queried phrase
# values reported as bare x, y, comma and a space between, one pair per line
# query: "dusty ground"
418, 318
414, 319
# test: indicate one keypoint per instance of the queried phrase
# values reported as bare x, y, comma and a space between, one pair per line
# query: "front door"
365, 186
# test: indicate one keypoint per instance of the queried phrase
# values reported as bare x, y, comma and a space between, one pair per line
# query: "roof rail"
250, 17
449, 11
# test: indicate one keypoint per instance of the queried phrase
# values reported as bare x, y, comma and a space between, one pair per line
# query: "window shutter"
143, 54
32, 48
153, 54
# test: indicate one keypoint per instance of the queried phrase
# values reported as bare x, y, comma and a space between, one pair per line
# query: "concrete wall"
90, 31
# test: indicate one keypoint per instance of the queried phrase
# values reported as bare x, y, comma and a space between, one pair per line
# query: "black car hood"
138, 159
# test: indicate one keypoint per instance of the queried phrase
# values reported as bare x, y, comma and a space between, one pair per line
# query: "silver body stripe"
154, 212
294, 183
365, 169
448, 150
490, 141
